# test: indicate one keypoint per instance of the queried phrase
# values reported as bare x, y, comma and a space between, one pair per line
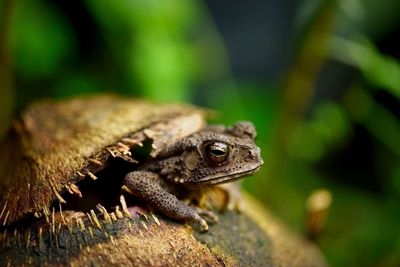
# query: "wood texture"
54, 143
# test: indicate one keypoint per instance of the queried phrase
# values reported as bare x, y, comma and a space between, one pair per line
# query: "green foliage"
43, 42
156, 49
328, 127
378, 69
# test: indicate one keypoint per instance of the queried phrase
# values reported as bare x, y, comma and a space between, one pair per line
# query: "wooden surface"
253, 238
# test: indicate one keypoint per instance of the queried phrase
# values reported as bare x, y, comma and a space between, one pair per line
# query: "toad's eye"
217, 152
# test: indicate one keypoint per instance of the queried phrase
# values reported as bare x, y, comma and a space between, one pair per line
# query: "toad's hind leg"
147, 186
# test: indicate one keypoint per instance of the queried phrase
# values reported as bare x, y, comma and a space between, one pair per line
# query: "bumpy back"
55, 144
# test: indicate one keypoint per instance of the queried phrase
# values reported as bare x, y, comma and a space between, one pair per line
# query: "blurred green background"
320, 79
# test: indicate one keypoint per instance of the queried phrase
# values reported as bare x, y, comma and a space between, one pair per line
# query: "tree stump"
251, 238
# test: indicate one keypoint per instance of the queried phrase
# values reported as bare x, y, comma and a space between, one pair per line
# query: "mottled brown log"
253, 238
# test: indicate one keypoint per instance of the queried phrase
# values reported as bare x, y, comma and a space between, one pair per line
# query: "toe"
212, 218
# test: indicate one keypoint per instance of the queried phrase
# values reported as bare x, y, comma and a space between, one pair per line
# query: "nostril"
253, 154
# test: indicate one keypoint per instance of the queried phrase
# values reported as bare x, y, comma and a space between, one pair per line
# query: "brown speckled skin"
186, 165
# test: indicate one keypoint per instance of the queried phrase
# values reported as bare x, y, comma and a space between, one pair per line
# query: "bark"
252, 238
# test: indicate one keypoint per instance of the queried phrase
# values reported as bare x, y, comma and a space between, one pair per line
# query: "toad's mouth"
220, 178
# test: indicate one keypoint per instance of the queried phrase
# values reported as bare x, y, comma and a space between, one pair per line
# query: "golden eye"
217, 152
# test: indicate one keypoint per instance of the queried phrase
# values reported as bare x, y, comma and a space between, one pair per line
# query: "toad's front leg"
147, 186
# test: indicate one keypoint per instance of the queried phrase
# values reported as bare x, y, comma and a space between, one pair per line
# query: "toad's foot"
147, 186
